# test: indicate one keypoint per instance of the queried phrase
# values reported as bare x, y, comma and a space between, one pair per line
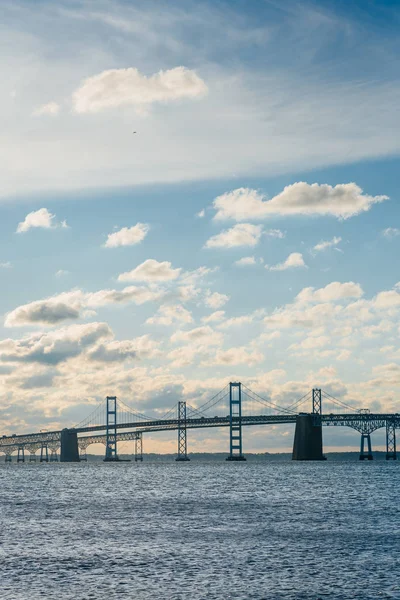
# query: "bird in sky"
133, 131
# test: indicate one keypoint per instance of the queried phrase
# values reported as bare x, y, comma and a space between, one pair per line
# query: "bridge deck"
357, 421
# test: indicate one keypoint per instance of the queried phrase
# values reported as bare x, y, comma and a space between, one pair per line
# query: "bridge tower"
308, 433
317, 402
21, 454
8, 456
391, 453
54, 454
44, 452
235, 422
182, 433
139, 447
111, 430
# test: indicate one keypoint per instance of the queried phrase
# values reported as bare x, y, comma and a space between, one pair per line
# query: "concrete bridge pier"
366, 455
69, 446
307, 439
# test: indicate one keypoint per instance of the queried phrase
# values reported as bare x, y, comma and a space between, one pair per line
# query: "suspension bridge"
235, 406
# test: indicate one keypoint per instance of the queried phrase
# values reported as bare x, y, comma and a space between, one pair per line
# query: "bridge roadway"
364, 423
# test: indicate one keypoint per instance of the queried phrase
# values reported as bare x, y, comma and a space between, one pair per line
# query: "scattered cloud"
152, 271
391, 232
235, 356
243, 234
119, 351
5, 265
275, 233
342, 201
294, 261
204, 336
61, 273
218, 315
75, 304
324, 245
40, 218
51, 108
53, 347
127, 236
169, 314
121, 87
201, 214
215, 299
246, 261
333, 291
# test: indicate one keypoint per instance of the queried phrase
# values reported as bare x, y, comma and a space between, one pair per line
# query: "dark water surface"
200, 530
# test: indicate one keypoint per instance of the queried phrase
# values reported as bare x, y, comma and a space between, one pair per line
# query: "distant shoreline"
251, 457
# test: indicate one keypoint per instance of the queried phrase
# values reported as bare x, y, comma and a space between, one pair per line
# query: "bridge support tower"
8, 458
69, 446
308, 433
21, 454
391, 452
235, 423
366, 454
139, 447
44, 453
182, 433
111, 430
53, 454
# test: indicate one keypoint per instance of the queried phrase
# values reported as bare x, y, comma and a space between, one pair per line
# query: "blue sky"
265, 135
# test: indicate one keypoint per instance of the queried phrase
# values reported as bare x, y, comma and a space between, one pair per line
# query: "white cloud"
293, 261
169, 314
118, 351
243, 234
5, 265
204, 336
40, 218
201, 214
218, 315
127, 236
119, 87
61, 273
391, 232
152, 271
275, 233
235, 356
52, 109
327, 244
75, 304
215, 299
246, 261
54, 347
342, 201
333, 291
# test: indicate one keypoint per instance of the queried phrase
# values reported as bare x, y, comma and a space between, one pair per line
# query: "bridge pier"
21, 454
69, 446
182, 433
8, 458
391, 453
366, 455
139, 447
53, 455
308, 438
44, 453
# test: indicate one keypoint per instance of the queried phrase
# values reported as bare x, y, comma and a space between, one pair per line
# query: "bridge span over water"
236, 406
